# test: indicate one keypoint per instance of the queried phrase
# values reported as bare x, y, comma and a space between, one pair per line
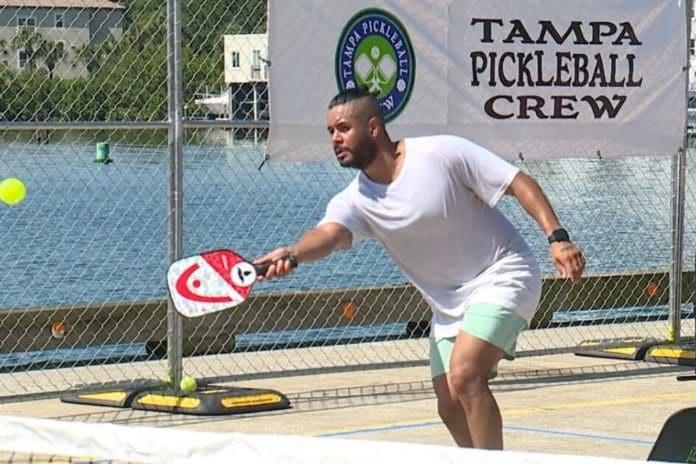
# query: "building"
69, 24
246, 78
246, 75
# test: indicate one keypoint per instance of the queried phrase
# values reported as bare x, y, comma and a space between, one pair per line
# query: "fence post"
678, 196
176, 178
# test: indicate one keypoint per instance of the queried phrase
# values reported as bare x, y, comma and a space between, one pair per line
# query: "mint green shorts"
492, 323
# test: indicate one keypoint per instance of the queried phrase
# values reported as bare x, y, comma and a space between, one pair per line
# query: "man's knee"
469, 379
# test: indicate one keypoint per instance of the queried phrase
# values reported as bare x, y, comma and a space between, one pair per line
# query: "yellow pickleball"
188, 384
12, 191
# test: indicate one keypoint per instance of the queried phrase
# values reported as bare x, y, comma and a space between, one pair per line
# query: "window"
26, 22
235, 59
59, 20
256, 65
22, 58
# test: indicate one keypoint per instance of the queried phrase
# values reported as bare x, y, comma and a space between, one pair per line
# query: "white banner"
533, 79
137, 443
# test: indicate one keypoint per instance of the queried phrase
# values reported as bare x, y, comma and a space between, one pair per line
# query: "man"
430, 201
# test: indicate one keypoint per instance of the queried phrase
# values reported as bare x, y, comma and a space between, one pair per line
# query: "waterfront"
91, 232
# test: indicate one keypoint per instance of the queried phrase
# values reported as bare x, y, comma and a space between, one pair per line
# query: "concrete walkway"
554, 404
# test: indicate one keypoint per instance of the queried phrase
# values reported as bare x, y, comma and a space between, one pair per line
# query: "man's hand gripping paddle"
212, 281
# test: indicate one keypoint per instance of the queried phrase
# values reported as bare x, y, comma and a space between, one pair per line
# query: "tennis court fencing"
86, 124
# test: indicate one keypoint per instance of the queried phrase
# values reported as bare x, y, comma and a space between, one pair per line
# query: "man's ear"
374, 126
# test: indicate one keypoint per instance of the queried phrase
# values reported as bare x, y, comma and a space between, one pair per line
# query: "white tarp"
538, 78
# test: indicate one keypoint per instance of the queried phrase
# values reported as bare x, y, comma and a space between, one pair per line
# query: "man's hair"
358, 93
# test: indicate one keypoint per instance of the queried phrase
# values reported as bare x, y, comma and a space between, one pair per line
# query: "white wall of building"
246, 58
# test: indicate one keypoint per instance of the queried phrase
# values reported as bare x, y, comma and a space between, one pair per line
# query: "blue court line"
513, 428
389, 428
589, 436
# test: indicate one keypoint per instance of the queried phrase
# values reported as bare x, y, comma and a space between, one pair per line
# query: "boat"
214, 106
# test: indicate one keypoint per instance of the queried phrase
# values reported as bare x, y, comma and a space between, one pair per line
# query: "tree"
127, 74
4, 47
29, 41
52, 53
94, 55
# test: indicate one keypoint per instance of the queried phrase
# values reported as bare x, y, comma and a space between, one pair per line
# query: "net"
31, 440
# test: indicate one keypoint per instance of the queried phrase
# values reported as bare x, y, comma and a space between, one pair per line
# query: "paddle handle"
261, 269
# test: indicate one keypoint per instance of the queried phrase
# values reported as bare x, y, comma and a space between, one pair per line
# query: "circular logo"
375, 52
243, 274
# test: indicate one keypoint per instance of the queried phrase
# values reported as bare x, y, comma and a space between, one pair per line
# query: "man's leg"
448, 406
488, 333
472, 359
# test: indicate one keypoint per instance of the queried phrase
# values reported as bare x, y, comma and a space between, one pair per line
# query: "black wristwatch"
559, 235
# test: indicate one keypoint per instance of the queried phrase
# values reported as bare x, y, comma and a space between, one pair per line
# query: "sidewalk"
553, 404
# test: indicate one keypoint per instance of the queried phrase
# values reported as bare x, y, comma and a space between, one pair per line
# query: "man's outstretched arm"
313, 245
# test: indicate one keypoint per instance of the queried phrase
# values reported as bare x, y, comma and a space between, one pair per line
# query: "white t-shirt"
439, 223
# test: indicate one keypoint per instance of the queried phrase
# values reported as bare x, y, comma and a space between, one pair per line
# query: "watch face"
559, 235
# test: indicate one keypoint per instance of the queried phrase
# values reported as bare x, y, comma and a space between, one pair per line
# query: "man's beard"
361, 157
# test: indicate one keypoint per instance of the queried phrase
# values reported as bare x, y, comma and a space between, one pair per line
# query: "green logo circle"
375, 52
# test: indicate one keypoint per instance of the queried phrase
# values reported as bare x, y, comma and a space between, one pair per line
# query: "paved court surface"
554, 404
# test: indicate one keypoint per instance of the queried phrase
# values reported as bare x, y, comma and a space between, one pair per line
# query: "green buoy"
102, 155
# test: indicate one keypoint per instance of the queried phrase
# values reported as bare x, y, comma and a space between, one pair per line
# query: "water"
89, 232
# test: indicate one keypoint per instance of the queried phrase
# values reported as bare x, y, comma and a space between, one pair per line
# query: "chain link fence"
84, 123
